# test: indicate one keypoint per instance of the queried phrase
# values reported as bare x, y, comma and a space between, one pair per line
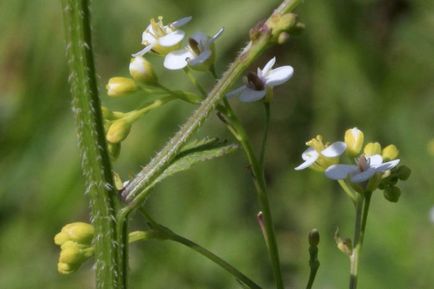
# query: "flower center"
158, 27
363, 163
317, 143
254, 82
194, 46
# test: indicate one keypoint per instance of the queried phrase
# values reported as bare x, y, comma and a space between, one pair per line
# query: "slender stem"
194, 81
265, 137
362, 210
137, 190
135, 114
169, 234
93, 148
347, 189
261, 189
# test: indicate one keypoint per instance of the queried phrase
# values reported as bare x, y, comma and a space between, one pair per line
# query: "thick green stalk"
94, 158
136, 191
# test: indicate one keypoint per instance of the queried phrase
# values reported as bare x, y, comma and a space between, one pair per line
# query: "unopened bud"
119, 86
354, 141
392, 194
142, 70
390, 152
72, 255
314, 237
372, 148
403, 173
279, 23
118, 131
78, 232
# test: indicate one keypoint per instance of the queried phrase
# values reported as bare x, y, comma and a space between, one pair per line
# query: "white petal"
307, 163
269, 65
177, 59
375, 160
217, 35
259, 73
251, 95
334, 150
200, 38
143, 51
201, 58
279, 75
340, 172
236, 91
172, 38
148, 37
181, 22
310, 152
387, 166
363, 176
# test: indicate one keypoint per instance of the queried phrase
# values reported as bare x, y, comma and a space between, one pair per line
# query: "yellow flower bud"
390, 152
78, 232
118, 131
71, 257
119, 86
354, 141
372, 148
142, 70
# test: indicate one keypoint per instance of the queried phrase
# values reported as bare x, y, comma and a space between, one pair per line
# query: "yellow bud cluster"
75, 241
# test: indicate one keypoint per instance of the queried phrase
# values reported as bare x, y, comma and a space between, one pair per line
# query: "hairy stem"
137, 189
95, 161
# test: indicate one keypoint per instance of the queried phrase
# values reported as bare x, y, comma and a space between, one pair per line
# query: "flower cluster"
165, 40
75, 241
373, 166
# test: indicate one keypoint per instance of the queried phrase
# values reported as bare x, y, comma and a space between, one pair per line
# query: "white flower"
160, 38
199, 53
257, 84
367, 166
311, 155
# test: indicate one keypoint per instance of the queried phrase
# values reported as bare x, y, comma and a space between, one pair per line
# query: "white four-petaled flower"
310, 156
367, 166
162, 38
197, 54
257, 84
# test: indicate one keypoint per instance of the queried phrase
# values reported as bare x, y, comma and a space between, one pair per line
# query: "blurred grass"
359, 63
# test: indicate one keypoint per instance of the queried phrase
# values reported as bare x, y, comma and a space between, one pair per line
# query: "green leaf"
195, 152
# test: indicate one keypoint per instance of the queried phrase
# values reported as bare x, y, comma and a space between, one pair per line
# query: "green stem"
261, 189
362, 209
135, 114
93, 148
194, 81
265, 137
137, 190
347, 189
165, 232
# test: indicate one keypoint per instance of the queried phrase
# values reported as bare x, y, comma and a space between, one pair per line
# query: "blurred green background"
359, 63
